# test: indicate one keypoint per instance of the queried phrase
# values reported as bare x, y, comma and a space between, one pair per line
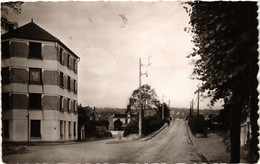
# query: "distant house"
39, 87
119, 121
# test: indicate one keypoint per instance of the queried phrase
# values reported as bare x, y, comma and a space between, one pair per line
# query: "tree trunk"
253, 156
235, 130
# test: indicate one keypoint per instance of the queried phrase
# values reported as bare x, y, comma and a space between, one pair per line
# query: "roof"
34, 32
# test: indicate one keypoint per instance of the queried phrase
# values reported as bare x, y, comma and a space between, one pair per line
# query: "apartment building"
39, 87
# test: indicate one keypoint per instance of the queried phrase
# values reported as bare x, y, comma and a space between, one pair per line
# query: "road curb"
154, 134
204, 157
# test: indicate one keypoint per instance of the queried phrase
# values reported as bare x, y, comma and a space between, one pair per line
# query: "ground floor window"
64, 123
74, 130
5, 129
35, 128
61, 129
69, 129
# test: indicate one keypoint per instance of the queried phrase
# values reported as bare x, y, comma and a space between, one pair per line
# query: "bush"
198, 125
131, 128
150, 124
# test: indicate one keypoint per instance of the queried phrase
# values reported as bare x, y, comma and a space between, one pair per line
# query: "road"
172, 145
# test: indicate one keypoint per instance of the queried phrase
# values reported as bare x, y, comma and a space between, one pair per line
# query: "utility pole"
198, 105
140, 94
190, 108
140, 106
163, 106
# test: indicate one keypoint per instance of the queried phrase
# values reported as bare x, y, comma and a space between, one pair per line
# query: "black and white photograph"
133, 82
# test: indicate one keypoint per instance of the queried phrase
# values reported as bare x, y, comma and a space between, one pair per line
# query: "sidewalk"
212, 148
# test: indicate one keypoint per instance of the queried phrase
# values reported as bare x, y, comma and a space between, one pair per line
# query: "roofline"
58, 41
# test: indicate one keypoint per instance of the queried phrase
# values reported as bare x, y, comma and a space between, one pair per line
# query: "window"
74, 65
74, 86
35, 76
74, 130
61, 56
35, 50
69, 129
75, 108
64, 125
35, 128
61, 104
5, 49
5, 129
61, 80
5, 75
61, 129
68, 60
5, 101
72, 106
35, 101
69, 87
68, 104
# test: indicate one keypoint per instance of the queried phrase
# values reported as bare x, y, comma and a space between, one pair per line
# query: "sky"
110, 37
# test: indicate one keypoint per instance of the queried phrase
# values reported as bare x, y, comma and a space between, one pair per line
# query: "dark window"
5, 129
68, 61
35, 101
68, 104
64, 125
61, 56
69, 87
61, 129
35, 128
74, 86
5, 49
35, 76
74, 65
74, 129
61, 80
72, 106
61, 103
5, 75
69, 129
5, 101
35, 50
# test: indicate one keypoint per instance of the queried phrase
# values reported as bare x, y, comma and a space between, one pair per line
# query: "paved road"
172, 145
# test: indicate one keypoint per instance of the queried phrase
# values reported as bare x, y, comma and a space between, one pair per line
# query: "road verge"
202, 155
150, 136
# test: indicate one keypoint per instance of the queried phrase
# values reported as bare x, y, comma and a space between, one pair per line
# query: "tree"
225, 38
6, 24
149, 100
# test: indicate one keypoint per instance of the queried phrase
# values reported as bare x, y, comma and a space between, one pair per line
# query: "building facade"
39, 87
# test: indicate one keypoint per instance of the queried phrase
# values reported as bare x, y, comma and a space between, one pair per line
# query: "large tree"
225, 53
149, 100
6, 8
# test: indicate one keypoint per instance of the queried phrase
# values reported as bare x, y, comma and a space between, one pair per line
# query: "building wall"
19, 88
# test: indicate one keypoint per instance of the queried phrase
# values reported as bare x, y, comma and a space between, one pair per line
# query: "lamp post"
140, 99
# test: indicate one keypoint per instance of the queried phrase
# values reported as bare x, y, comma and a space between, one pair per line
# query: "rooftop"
34, 32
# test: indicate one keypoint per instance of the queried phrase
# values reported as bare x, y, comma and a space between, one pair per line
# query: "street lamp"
140, 81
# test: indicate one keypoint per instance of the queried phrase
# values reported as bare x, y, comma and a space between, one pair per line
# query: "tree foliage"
7, 24
225, 53
225, 45
149, 99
